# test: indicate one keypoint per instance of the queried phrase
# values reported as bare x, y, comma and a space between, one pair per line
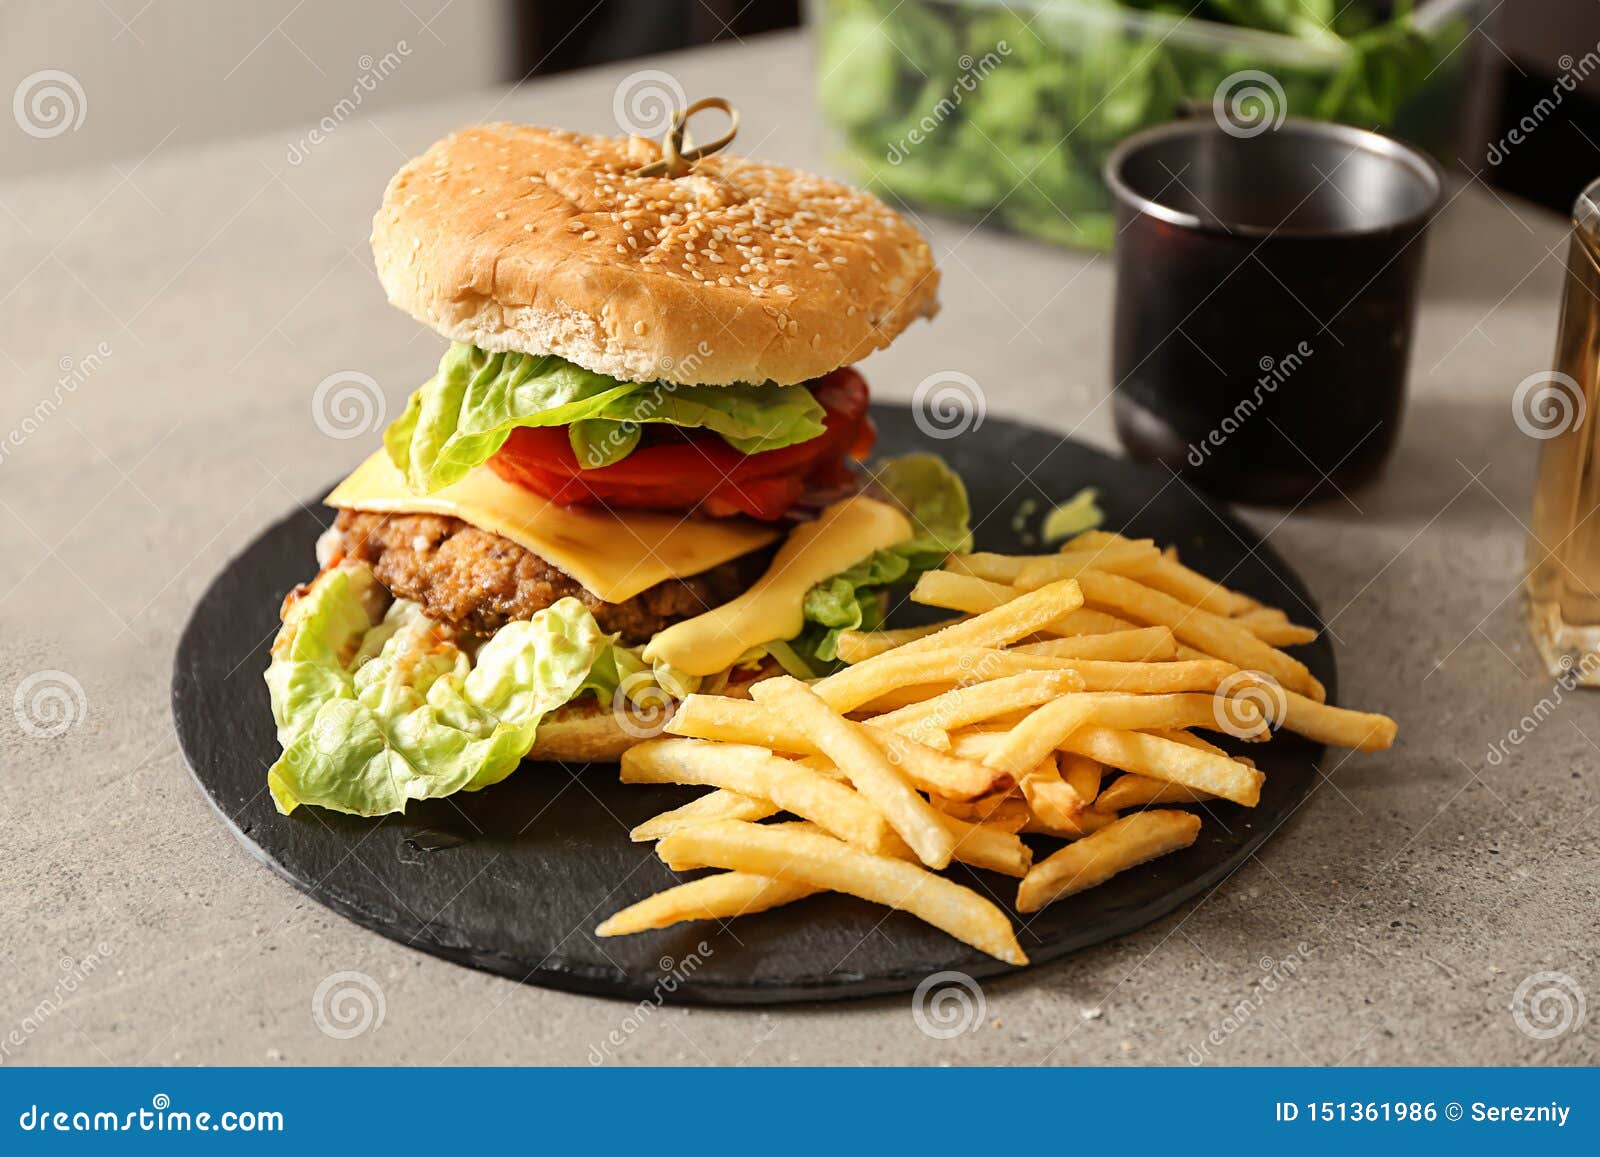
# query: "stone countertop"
192, 302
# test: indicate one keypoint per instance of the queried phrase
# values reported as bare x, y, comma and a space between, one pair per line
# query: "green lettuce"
465, 412
375, 708
936, 501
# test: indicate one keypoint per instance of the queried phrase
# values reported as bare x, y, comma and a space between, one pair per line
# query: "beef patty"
480, 581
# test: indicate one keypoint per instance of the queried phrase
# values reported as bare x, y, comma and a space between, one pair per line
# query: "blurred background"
1457, 75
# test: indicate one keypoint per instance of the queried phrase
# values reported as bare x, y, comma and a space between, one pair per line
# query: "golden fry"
855, 754
755, 771
1081, 774
1336, 725
1210, 633
1004, 625
719, 897
1129, 791
1134, 645
961, 592
716, 805
1164, 759
854, 646
823, 862
1133, 839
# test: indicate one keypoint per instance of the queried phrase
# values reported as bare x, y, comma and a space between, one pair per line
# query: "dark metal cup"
1266, 296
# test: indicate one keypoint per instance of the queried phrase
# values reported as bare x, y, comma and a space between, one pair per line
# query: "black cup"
1266, 295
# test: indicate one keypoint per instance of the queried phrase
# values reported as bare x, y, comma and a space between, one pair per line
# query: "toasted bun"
584, 732
519, 238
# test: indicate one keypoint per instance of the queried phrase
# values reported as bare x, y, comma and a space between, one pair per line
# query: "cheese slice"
846, 533
614, 555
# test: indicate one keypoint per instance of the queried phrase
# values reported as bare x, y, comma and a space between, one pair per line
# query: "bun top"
520, 238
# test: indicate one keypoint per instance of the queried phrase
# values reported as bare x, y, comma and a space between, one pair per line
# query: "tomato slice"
683, 469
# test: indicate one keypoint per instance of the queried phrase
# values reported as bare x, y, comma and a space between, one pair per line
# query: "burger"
639, 470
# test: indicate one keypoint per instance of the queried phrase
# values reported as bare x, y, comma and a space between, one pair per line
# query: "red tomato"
689, 469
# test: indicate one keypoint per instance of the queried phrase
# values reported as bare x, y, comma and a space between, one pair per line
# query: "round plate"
514, 879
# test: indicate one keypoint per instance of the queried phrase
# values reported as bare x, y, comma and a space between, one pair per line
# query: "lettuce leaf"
933, 496
374, 711
465, 412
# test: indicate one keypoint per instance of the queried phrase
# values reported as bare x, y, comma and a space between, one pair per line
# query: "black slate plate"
513, 879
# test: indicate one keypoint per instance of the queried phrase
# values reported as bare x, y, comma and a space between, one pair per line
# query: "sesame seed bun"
519, 238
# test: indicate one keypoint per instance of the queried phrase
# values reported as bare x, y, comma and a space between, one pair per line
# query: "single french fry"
989, 846
855, 754
1273, 627
823, 862
1164, 759
716, 805
743, 721
1032, 743
1210, 633
1123, 556
966, 705
1241, 718
997, 568
1004, 811
961, 592
755, 771
1129, 791
1135, 645
1004, 625
1050, 801
719, 897
1151, 678
1087, 821
848, 690
1081, 774
1131, 840
854, 646
1337, 725
1085, 621
1170, 576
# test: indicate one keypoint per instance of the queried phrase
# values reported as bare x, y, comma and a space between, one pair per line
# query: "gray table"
202, 297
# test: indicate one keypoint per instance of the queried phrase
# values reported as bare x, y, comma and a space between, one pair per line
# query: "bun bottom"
586, 732
589, 731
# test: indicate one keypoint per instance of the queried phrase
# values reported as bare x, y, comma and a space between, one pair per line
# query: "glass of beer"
1562, 588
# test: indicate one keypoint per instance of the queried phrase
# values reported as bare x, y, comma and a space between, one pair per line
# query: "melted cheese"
845, 534
613, 555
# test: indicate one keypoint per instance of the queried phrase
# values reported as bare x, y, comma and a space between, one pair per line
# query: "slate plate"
513, 879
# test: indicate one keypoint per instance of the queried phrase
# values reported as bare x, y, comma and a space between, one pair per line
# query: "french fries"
719, 897
755, 771
1100, 855
1210, 633
741, 721
718, 805
1061, 704
854, 753
823, 862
